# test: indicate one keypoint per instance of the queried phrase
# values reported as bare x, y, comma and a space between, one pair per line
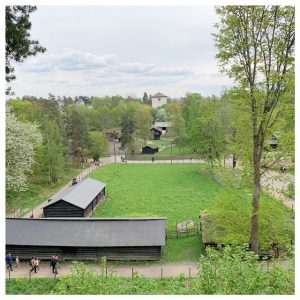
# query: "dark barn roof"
81, 194
86, 232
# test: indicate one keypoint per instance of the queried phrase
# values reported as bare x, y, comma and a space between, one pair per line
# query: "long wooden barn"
78, 201
86, 238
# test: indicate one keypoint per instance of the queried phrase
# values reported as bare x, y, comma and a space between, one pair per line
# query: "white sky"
126, 50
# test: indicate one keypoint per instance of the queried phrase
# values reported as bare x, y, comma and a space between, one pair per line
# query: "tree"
98, 145
256, 48
21, 141
207, 135
18, 43
76, 133
52, 151
128, 125
143, 121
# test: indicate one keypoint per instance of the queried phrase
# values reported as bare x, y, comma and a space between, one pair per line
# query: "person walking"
9, 261
17, 261
34, 264
54, 264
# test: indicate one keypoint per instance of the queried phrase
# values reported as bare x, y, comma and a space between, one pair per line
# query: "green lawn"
178, 192
170, 191
175, 151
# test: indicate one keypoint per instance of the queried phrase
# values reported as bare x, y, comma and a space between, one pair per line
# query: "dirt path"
165, 270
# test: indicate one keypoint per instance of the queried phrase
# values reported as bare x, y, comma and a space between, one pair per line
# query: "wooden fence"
184, 229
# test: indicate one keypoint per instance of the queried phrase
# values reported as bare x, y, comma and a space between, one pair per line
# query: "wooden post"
161, 273
190, 273
132, 272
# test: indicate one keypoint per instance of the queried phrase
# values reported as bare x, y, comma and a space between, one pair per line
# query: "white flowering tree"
21, 140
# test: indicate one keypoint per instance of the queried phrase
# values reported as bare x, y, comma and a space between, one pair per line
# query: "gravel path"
165, 270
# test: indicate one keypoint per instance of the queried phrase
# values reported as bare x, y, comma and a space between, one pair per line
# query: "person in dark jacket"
9, 261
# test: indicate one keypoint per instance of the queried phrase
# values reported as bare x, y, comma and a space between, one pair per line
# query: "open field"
175, 151
178, 192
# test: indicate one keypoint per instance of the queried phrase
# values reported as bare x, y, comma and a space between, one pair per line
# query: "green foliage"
98, 145
232, 218
234, 271
207, 134
18, 44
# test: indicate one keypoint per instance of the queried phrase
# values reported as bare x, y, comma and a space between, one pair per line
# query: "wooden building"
78, 201
156, 131
149, 150
86, 238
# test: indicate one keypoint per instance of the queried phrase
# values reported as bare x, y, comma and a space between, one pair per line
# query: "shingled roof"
86, 232
158, 95
81, 194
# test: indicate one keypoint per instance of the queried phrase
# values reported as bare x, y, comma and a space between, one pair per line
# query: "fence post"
132, 272
190, 273
161, 273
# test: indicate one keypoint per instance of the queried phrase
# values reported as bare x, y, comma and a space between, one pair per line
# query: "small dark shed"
156, 131
78, 201
149, 150
86, 238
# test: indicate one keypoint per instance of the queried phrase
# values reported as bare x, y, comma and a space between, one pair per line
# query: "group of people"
34, 263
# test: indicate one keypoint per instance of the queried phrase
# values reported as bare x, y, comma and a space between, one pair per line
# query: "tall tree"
256, 48
21, 142
18, 43
52, 151
76, 133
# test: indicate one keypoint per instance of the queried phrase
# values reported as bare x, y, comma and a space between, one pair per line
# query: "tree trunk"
233, 161
256, 197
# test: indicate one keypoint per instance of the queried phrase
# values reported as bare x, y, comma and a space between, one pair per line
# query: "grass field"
178, 192
175, 151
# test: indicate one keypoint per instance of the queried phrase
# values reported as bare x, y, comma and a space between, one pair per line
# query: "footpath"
151, 270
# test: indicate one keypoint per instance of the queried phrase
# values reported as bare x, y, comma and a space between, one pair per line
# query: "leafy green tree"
143, 121
207, 135
98, 145
52, 151
256, 48
128, 125
21, 142
18, 45
77, 134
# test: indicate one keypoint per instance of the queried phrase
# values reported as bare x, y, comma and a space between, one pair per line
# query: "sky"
124, 50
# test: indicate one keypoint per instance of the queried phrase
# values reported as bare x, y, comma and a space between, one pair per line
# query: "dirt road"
152, 270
